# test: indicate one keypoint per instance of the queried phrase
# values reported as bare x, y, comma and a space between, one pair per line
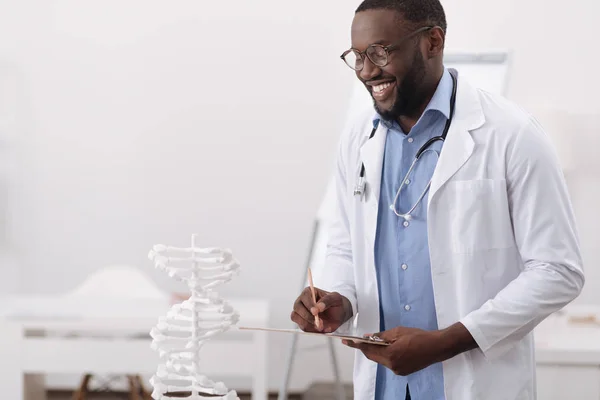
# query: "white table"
116, 340
568, 357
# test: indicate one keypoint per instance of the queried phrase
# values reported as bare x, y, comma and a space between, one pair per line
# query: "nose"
369, 70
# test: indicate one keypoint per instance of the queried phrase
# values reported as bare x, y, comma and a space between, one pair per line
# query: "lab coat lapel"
459, 144
371, 154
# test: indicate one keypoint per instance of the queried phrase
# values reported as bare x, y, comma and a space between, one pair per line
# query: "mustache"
380, 78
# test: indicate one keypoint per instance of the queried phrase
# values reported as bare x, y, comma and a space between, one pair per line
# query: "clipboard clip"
376, 339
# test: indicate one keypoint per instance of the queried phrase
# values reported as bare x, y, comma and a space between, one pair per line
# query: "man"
455, 260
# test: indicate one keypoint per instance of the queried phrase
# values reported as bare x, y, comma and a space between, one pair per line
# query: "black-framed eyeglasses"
377, 53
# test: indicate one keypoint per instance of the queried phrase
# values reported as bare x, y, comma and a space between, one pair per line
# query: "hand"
410, 350
332, 308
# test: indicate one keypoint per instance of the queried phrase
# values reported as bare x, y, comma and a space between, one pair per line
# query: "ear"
435, 42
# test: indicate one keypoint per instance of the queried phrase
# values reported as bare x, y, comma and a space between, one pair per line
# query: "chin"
385, 110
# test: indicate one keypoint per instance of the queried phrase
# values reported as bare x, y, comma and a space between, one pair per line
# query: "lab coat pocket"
480, 215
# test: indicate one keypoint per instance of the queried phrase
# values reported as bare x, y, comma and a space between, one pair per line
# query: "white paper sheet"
369, 340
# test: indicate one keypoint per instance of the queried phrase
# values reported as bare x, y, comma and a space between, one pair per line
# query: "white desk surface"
62, 313
557, 339
63, 336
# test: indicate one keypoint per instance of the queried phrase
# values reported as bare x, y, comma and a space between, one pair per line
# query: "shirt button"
407, 181
410, 140
406, 223
404, 267
407, 307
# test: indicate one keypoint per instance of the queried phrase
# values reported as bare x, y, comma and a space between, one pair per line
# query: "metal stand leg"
259, 382
341, 394
288, 369
294, 342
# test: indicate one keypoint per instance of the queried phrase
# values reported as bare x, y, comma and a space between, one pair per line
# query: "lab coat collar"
459, 144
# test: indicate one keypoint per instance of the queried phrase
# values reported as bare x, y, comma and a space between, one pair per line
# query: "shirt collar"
439, 102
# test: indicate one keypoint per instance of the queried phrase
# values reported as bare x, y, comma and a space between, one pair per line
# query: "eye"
377, 54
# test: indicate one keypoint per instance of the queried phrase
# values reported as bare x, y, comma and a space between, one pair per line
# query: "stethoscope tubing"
359, 189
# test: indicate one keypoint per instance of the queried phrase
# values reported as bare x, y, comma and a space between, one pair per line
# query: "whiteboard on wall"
486, 70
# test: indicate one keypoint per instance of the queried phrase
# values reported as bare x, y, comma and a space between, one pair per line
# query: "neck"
407, 122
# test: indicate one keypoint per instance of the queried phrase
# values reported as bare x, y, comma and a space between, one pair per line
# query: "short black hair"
429, 12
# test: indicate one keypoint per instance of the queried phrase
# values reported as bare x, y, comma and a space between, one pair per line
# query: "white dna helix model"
180, 335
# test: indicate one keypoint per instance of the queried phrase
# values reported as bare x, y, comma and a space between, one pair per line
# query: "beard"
408, 93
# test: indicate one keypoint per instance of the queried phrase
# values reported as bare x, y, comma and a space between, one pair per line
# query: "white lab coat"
503, 243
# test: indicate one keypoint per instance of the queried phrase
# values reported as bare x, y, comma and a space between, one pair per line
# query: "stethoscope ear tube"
427, 144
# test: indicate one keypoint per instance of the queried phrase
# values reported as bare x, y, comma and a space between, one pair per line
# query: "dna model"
179, 336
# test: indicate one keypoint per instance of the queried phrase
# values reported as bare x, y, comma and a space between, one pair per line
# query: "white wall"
553, 67
148, 122
141, 122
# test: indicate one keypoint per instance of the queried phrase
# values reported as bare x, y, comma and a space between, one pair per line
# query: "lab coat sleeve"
338, 271
545, 234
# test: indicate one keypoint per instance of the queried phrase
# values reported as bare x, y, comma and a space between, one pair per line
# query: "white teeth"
382, 87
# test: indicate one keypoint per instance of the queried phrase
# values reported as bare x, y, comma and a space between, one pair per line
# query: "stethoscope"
360, 187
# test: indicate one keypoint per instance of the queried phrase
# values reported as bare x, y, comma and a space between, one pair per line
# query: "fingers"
372, 351
308, 310
328, 301
353, 344
305, 325
392, 335
302, 307
302, 315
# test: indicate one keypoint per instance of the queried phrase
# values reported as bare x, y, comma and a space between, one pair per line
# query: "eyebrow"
381, 42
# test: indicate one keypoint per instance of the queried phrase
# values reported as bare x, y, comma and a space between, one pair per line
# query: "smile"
383, 91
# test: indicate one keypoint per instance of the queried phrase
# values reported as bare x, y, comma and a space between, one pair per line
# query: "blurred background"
127, 124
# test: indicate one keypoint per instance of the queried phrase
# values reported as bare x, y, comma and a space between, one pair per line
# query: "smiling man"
463, 238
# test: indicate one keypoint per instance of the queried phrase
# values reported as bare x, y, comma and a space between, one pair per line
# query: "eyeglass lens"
377, 54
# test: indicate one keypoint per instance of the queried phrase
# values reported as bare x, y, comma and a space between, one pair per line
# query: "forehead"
376, 26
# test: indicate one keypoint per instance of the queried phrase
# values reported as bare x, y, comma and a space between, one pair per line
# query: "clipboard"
369, 340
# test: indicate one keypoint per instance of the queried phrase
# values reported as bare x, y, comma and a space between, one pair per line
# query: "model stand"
180, 335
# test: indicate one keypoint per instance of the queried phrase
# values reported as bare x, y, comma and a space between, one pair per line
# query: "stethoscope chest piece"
359, 189
407, 217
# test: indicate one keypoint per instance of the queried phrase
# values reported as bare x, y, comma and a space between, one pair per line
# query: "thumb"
392, 335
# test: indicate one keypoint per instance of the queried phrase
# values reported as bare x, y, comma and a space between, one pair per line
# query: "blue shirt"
402, 248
